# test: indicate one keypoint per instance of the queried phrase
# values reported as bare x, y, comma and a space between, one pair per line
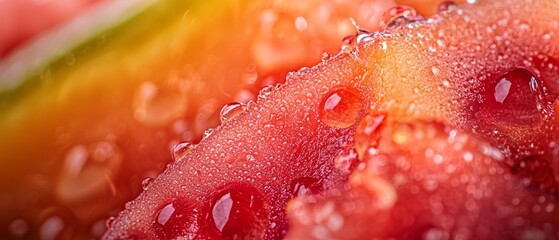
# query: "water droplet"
250, 76
179, 218
110, 221
250, 158
304, 186
231, 110
435, 71
300, 24
447, 6
434, 233
181, 150
266, 91
325, 56
208, 133
19, 227
51, 228
346, 161
367, 133
158, 106
240, 212
146, 183
513, 100
399, 16
87, 171
341, 107
348, 44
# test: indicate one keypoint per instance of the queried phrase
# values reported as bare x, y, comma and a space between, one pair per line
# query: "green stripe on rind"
40, 63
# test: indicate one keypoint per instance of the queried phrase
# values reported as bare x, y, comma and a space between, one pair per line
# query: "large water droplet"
230, 111
515, 99
179, 218
240, 212
341, 107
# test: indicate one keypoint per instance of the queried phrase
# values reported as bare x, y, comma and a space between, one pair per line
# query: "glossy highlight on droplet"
181, 150
305, 186
178, 218
231, 110
341, 107
239, 211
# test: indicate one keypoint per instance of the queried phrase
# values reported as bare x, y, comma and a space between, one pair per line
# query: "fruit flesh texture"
428, 180
98, 144
415, 60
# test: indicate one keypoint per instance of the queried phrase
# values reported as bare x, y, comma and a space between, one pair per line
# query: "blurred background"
95, 95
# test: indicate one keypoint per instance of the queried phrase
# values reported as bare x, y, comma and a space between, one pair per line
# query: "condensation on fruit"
341, 107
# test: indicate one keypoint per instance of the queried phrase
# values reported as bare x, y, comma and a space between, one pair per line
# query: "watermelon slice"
92, 111
488, 69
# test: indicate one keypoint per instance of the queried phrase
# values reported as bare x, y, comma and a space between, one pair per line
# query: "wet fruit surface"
428, 179
90, 126
418, 178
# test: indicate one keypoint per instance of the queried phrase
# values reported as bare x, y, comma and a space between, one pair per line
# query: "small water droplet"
181, 150
250, 158
110, 221
346, 161
325, 56
348, 44
250, 76
146, 183
447, 6
341, 107
208, 133
367, 133
231, 110
266, 91
304, 186
399, 16
240, 211
435, 70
